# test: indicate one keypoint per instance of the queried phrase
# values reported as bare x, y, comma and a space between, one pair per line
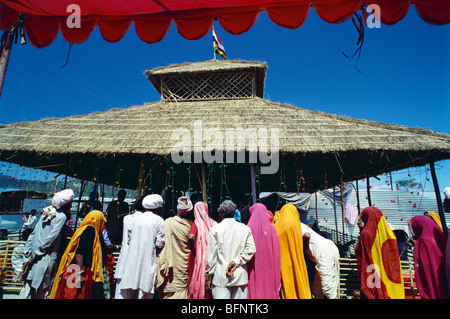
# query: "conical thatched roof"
325, 147
147, 129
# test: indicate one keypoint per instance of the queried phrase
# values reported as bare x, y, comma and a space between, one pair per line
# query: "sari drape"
264, 268
379, 268
429, 257
196, 280
294, 275
95, 219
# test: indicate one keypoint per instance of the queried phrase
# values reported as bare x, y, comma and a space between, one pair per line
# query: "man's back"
229, 241
145, 236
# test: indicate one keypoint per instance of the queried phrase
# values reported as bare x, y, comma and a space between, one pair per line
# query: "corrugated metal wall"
397, 207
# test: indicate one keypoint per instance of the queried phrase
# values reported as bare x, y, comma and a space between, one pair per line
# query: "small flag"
217, 44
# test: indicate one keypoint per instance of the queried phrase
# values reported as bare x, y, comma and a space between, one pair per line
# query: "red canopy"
193, 18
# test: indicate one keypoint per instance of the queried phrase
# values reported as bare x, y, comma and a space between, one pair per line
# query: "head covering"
379, 267
435, 217
184, 205
429, 261
48, 213
62, 198
237, 215
294, 275
197, 279
152, 201
271, 217
447, 193
264, 276
95, 219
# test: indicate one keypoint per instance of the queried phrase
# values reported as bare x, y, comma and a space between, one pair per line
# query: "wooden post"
438, 198
253, 183
368, 190
4, 60
335, 214
6, 51
357, 198
140, 178
79, 197
317, 215
204, 188
342, 212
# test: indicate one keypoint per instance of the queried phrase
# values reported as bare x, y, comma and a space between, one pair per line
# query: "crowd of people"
192, 256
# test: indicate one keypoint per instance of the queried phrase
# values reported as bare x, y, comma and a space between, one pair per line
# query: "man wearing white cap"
42, 247
173, 260
146, 238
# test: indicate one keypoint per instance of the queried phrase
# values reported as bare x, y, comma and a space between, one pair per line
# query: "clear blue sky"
405, 76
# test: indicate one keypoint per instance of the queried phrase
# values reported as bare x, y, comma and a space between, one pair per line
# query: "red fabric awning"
193, 18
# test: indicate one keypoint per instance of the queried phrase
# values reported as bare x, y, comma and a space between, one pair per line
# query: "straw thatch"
326, 147
212, 69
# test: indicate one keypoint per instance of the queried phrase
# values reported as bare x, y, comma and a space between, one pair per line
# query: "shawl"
294, 275
435, 217
172, 260
198, 276
264, 268
95, 219
429, 252
379, 268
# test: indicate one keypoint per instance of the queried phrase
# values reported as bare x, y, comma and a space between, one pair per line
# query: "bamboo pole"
369, 199
253, 183
438, 198
4, 60
140, 178
204, 190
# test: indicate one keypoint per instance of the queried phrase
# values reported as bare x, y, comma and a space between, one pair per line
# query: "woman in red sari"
429, 257
379, 268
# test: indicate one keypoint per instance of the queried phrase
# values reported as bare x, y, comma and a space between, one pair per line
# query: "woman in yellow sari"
294, 275
80, 272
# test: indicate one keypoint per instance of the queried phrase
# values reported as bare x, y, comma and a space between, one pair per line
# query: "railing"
348, 281
11, 254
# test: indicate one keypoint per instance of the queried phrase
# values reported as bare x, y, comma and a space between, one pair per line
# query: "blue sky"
404, 79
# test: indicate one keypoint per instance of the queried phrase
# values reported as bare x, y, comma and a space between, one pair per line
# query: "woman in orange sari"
80, 272
294, 275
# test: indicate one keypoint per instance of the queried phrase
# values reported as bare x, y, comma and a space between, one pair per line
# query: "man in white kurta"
145, 239
325, 254
230, 247
118, 274
42, 248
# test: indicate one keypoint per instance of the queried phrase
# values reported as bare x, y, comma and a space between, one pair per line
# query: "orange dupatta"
95, 219
294, 275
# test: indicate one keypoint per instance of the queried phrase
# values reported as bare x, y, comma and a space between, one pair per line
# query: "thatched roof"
308, 138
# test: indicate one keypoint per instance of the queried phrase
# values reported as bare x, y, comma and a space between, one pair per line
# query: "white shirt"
145, 235
229, 241
318, 245
127, 222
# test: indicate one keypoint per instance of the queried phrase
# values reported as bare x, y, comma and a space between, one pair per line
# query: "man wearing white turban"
173, 260
146, 238
42, 247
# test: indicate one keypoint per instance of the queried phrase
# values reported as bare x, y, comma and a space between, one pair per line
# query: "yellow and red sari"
379, 268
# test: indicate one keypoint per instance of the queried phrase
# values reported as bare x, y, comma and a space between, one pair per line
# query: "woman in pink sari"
429, 257
198, 241
264, 274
